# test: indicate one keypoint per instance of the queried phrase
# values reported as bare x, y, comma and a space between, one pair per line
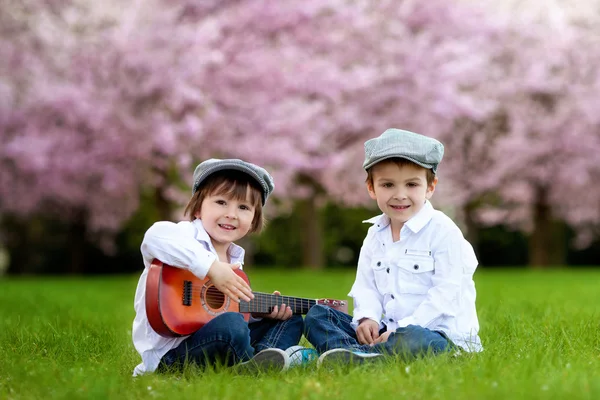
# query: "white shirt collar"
415, 224
235, 252
422, 218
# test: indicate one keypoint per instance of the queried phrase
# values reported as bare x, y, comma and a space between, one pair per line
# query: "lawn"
70, 338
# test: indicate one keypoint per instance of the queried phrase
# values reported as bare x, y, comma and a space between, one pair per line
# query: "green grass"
70, 338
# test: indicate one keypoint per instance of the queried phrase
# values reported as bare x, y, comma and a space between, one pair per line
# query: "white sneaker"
345, 356
268, 360
301, 355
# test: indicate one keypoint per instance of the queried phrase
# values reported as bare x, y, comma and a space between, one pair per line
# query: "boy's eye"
221, 202
387, 185
244, 207
413, 184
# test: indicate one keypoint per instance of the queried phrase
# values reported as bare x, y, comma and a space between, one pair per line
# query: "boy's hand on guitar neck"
282, 313
222, 276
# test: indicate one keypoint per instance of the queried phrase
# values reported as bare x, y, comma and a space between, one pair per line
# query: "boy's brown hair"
232, 184
400, 162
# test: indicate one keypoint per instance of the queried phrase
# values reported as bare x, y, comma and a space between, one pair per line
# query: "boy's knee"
316, 312
417, 340
235, 326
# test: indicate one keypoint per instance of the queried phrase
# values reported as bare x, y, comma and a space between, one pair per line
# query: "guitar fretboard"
264, 303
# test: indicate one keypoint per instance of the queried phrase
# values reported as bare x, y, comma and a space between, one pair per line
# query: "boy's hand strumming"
367, 331
222, 276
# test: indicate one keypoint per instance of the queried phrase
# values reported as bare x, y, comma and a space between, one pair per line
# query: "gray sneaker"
345, 357
268, 360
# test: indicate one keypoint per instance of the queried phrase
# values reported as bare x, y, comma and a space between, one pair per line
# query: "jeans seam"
279, 333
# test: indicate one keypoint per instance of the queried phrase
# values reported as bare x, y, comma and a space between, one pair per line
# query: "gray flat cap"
422, 150
208, 167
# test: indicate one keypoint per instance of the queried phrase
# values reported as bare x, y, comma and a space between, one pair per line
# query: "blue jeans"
228, 339
326, 329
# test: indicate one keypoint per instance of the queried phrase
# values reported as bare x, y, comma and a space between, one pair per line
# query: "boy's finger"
245, 289
375, 332
231, 295
241, 294
367, 338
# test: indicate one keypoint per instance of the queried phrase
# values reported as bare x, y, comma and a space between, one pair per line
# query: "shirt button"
387, 270
391, 320
416, 266
378, 263
393, 297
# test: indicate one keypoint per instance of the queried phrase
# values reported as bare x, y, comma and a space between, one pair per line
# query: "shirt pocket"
383, 279
415, 274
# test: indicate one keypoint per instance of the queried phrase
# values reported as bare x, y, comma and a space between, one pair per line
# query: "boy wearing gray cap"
414, 291
226, 204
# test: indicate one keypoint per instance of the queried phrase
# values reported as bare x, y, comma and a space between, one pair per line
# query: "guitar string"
263, 299
272, 301
265, 296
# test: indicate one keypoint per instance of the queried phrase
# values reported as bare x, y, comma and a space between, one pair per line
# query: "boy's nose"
231, 213
400, 195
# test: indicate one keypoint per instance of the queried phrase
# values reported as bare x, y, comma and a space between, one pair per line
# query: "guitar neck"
264, 303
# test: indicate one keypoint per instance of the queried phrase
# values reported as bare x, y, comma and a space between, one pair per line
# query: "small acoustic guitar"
178, 303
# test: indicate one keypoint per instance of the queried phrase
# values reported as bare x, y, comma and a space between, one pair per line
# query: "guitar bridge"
187, 293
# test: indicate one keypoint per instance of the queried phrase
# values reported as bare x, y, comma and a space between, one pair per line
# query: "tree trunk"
312, 234
472, 228
21, 245
19, 251
547, 241
77, 243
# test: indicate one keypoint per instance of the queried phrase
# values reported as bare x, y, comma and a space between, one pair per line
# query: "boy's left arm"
453, 259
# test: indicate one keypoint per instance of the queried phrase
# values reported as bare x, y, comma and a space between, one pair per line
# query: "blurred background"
107, 107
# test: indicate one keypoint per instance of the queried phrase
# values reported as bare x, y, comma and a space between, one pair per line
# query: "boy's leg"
225, 339
412, 341
269, 339
327, 329
270, 333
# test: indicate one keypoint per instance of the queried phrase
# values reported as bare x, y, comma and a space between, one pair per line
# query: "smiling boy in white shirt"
414, 291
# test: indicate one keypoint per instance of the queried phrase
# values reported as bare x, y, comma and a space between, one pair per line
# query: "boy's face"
226, 219
400, 191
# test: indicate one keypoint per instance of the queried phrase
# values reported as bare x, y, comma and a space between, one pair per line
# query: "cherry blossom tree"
531, 162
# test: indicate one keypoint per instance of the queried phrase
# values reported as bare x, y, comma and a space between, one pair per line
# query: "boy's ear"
431, 188
371, 190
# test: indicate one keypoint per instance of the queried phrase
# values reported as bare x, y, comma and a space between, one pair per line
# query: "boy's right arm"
176, 245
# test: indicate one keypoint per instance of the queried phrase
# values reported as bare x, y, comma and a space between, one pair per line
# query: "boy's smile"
400, 191
225, 219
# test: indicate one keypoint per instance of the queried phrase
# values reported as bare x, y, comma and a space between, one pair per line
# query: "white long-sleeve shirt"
425, 278
184, 245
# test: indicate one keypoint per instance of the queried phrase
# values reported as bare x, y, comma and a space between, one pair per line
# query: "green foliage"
70, 338
281, 243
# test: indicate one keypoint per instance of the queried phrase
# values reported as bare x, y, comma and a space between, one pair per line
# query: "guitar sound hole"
214, 298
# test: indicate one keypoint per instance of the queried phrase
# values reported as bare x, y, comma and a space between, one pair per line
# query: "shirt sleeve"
453, 259
368, 301
176, 245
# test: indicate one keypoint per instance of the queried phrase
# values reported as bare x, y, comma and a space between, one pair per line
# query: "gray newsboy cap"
208, 167
422, 150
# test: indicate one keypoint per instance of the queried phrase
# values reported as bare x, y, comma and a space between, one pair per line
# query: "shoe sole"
346, 357
270, 360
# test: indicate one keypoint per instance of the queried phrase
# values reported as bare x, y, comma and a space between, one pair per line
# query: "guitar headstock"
340, 305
